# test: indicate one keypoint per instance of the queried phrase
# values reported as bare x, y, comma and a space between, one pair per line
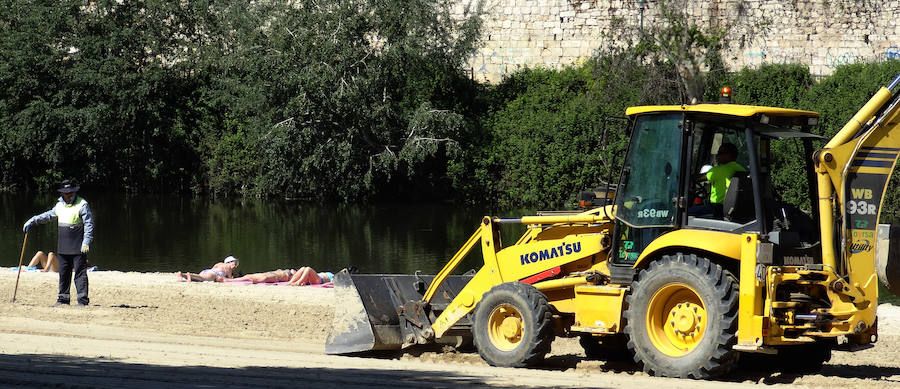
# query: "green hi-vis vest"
719, 178
71, 227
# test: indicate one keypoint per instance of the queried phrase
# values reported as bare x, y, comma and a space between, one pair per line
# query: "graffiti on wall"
833, 58
487, 63
775, 55
892, 53
836, 58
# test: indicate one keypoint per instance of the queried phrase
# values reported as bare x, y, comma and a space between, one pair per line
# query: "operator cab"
663, 182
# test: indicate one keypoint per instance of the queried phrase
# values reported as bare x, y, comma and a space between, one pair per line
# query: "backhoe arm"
856, 165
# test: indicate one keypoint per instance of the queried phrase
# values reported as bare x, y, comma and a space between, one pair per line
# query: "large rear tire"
512, 326
681, 318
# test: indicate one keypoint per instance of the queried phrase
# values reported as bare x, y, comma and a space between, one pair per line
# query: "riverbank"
260, 335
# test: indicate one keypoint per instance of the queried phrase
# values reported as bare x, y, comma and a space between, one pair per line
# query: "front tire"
681, 318
512, 326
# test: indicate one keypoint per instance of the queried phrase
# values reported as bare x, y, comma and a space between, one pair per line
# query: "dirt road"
146, 330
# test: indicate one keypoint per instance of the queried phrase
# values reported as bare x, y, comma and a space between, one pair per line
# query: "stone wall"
822, 34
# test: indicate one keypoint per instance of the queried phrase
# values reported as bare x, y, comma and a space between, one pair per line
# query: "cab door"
647, 203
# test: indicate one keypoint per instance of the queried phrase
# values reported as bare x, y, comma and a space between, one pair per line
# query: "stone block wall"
822, 34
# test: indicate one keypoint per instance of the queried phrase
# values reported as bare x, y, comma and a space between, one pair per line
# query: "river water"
174, 233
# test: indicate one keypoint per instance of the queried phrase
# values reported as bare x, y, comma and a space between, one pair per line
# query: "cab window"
650, 179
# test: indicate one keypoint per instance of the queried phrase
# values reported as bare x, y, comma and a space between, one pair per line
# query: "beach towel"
325, 285
258, 283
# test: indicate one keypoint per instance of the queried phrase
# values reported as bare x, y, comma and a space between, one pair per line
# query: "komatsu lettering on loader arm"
685, 285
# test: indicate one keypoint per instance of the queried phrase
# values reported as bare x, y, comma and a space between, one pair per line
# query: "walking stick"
20, 267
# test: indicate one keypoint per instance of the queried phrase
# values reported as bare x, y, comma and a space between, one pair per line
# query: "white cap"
230, 259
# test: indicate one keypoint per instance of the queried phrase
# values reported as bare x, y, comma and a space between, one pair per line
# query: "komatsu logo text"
562, 249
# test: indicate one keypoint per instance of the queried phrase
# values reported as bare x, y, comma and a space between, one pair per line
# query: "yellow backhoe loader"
685, 292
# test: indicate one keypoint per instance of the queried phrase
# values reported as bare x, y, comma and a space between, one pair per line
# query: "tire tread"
539, 344
720, 360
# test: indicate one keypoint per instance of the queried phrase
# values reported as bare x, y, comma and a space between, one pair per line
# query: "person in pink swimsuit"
308, 276
279, 275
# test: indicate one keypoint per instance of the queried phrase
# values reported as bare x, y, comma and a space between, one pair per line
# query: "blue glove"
27, 226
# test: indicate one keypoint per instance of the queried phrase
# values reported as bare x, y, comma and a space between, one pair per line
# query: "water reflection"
172, 233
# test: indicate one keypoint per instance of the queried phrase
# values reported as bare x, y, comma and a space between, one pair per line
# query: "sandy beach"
147, 330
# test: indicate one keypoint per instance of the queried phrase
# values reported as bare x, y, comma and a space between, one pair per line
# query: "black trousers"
66, 262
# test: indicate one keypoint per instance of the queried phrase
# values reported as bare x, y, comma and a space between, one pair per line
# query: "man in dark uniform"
76, 230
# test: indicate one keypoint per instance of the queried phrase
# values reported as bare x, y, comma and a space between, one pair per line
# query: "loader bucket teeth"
371, 310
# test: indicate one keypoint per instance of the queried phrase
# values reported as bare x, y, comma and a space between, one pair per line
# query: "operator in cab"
719, 178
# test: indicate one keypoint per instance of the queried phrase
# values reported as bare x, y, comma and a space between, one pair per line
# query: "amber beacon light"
725, 95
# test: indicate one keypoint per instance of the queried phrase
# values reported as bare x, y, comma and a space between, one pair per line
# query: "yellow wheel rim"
505, 327
676, 319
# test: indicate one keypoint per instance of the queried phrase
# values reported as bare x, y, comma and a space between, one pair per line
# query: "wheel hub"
685, 318
676, 319
506, 327
511, 328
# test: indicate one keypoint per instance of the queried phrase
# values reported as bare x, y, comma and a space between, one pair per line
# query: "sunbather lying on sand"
269, 276
219, 272
301, 276
308, 276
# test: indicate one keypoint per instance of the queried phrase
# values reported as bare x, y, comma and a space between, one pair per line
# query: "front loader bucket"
366, 314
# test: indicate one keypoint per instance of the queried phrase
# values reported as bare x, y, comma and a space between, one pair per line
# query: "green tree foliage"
553, 133
346, 100
754, 87
839, 96
315, 99
88, 93
547, 131
330, 97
